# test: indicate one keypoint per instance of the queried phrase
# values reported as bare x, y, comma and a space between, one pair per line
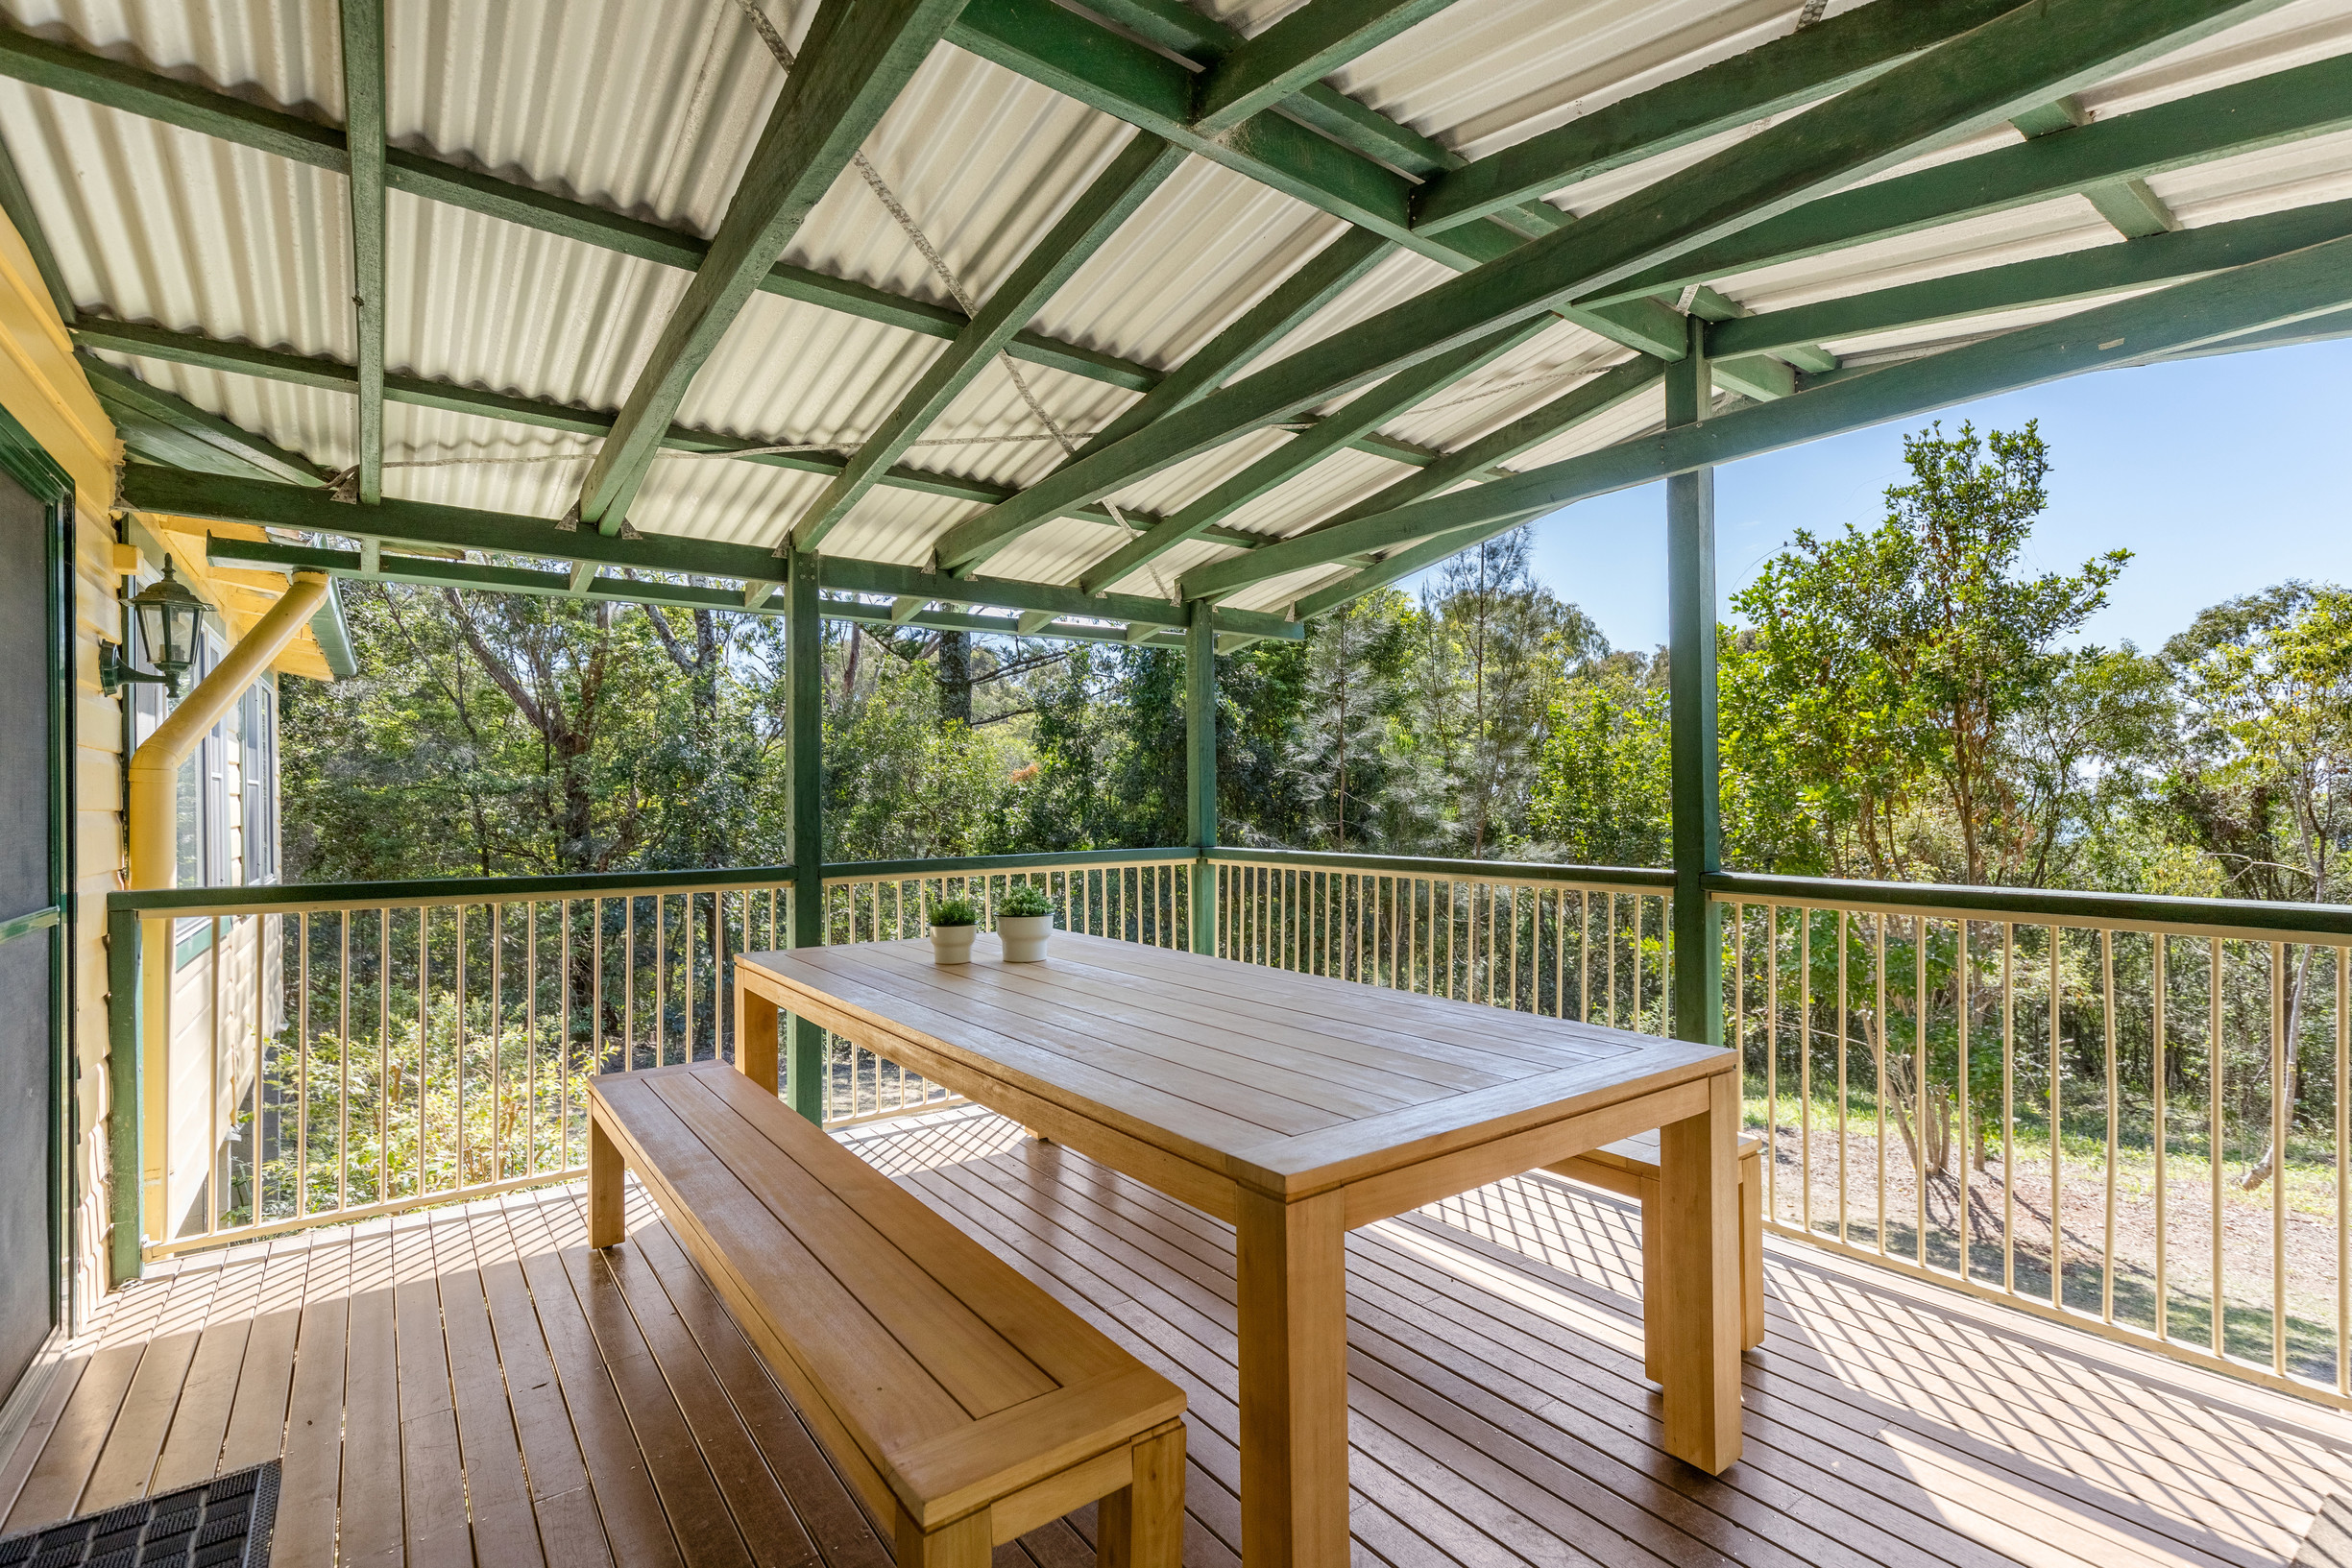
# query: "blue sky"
2221, 475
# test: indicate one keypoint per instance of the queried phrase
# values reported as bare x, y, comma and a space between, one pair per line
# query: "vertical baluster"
1609, 902
1965, 988
1805, 1060
2008, 1105
1844, 1013
301, 1068
2057, 1170
1919, 1087
383, 1055
2343, 1170
530, 1039
1878, 1054
425, 960
2106, 1269
343, 1057
498, 1042
661, 979
2278, 1159
2214, 1143
1772, 1059
458, 1174
2159, 1066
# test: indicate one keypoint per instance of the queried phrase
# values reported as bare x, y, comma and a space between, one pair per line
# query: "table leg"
1697, 1354
1293, 1290
755, 1036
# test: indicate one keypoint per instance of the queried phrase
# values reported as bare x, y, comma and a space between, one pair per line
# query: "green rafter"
178, 492
857, 57
1302, 451
1098, 67
17, 203
363, 99
2075, 275
114, 85
163, 427
1141, 167
1783, 74
1324, 276
2311, 283
2026, 56
2268, 111
1301, 49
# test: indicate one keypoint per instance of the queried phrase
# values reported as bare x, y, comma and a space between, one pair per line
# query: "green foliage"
955, 912
1023, 902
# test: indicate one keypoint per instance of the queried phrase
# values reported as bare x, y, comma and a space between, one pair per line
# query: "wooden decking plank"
1977, 1465
827, 1505
310, 1477
200, 1419
371, 1498
432, 1471
265, 1384
698, 1516
498, 1494
128, 1461
627, 1505
765, 1518
1646, 1464
16, 1466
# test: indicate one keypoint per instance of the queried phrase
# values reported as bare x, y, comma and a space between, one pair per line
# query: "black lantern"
169, 613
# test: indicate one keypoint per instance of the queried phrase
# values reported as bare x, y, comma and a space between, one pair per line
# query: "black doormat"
223, 1523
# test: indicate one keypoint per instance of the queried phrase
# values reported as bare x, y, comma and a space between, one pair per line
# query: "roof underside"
185, 236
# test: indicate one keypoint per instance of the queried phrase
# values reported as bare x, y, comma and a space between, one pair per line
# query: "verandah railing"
298, 1054
2065, 1101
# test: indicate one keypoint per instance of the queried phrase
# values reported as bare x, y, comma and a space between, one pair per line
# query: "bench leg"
605, 1178
1142, 1524
1652, 1272
963, 1544
1752, 1250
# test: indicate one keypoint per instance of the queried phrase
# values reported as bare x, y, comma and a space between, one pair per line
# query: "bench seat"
966, 1404
1629, 1169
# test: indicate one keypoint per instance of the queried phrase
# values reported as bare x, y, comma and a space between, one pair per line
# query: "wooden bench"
1629, 1168
966, 1404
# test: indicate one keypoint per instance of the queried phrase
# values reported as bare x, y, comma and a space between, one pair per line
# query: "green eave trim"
333, 634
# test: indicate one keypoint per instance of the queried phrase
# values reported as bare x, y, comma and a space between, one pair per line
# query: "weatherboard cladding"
649, 108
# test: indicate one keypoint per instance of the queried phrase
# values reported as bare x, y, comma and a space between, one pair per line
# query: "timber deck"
473, 1384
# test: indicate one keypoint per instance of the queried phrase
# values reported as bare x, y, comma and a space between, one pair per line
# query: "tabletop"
1284, 1083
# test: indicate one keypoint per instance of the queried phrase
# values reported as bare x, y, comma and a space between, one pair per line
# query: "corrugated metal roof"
650, 108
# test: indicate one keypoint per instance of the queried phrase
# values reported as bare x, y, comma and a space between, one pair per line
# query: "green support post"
125, 1094
1690, 628
805, 761
1200, 768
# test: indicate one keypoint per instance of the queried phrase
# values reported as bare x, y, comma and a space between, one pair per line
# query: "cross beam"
166, 428
177, 492
2027, 55
2309, 282
1301, 49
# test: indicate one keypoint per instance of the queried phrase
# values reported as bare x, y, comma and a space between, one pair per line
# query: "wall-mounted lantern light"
169, 611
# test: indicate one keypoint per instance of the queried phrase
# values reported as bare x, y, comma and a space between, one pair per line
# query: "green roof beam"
857, 57
2269, 112
1391, 397
1787, 72
1975, 80
363, 99
2307, 283
17, 203
1141, 167
1297, 51
398, 524
165, 427
2077, 275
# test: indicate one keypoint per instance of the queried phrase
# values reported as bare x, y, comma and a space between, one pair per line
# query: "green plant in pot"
1024, 919
953, 922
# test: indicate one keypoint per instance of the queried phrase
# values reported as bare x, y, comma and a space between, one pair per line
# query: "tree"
1603, 792
1894, 660
1340, 757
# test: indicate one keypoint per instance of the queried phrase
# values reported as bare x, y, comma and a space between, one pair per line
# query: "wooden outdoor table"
1298, 1108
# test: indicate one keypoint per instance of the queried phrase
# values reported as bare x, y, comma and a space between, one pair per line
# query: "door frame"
23, 460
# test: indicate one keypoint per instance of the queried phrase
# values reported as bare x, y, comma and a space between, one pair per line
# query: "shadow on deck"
472, 1385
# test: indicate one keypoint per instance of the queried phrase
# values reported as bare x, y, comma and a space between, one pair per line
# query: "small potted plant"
952, 925
1024, 918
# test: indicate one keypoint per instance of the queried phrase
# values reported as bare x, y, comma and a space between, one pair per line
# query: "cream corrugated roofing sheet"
650, 108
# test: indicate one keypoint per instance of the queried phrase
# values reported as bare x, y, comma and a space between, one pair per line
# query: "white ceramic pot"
952, 944
1024, 937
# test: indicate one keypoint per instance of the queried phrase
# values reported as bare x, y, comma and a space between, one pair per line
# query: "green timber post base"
126, 1093
1690, 622
1200, 768
804, 1052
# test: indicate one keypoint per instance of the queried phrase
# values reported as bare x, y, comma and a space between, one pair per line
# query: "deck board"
473, 1384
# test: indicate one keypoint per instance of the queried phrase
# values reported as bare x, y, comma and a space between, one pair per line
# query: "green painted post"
805, 761
1200, 768
125, 1094
1690, 628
